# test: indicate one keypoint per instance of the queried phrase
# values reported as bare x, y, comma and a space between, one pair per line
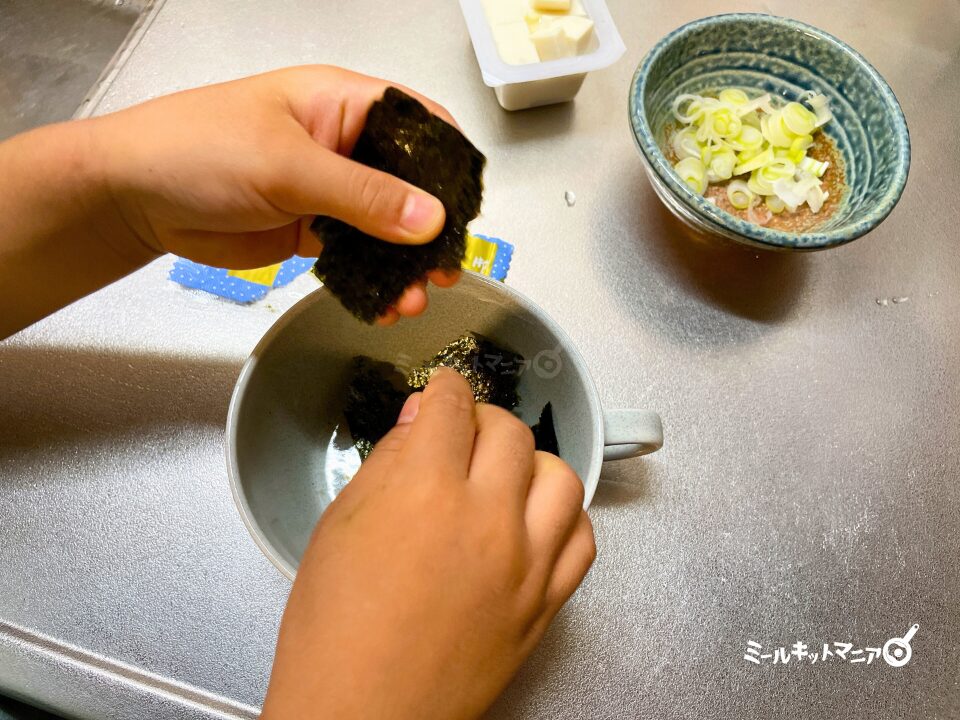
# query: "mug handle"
629, 433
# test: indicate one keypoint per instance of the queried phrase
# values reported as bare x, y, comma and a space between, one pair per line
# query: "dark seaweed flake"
375, 397
405, 139
544, 433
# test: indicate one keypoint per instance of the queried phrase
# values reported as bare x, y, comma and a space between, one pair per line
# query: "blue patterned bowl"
782, 57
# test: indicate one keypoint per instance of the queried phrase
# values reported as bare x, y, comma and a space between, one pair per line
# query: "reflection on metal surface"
810, 480
136, 680
51, 54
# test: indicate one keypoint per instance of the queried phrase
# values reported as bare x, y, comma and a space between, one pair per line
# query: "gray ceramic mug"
289, 452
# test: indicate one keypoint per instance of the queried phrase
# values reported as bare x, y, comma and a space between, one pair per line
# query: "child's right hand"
435, 572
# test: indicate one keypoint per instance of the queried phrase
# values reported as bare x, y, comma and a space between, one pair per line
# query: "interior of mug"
288, 444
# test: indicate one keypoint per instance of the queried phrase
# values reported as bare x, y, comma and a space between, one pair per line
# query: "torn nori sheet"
405, 139
492, 371
377, 391
544, 433
375, 397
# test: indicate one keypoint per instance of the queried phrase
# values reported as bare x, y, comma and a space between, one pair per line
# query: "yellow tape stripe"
479, 256
261, 276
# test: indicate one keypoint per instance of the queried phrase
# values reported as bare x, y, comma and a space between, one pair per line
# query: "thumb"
324, 183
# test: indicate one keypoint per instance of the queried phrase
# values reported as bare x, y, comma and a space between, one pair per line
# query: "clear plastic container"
541, 83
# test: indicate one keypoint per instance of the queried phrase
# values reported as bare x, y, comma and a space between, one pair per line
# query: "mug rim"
301, 306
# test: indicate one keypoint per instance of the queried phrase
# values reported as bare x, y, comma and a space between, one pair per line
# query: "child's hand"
231, 175
435, 572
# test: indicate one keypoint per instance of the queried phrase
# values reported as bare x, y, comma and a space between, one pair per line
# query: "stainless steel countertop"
808, 489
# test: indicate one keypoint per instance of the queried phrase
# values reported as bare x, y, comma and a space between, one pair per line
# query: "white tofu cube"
562, 36
534, 15
578, 31
551, 42
551, 5
574, 7
514, 43
501, 12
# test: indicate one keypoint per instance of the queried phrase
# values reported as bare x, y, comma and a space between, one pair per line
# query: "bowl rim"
726, 223
590, 482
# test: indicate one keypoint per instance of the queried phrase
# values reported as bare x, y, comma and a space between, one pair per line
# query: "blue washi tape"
242, 286
491, 256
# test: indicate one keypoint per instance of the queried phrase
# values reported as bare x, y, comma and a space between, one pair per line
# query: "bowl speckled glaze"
782, 57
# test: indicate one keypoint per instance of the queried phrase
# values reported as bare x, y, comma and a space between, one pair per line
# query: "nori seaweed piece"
491, 370
377, 391
405, 139
544, 432
375, 397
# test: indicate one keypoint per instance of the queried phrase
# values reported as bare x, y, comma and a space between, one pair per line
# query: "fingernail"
410, 409
420, 213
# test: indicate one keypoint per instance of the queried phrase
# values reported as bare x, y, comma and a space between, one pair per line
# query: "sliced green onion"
794, 192
731, 135
760, 103
774, 204
759, 160
705, 132
798, 119
706, 154
693, 173
750, 138
798, 148
815, 167
694, 108
721, 165
820, 105
776, 133
733, 96
802, 143
778, 168
758, 184
784, 190
757, 219
751, 119
816, 196
725, 123
762, 179
685, 143
739, 195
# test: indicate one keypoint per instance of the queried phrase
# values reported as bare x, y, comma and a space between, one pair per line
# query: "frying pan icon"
897, 651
